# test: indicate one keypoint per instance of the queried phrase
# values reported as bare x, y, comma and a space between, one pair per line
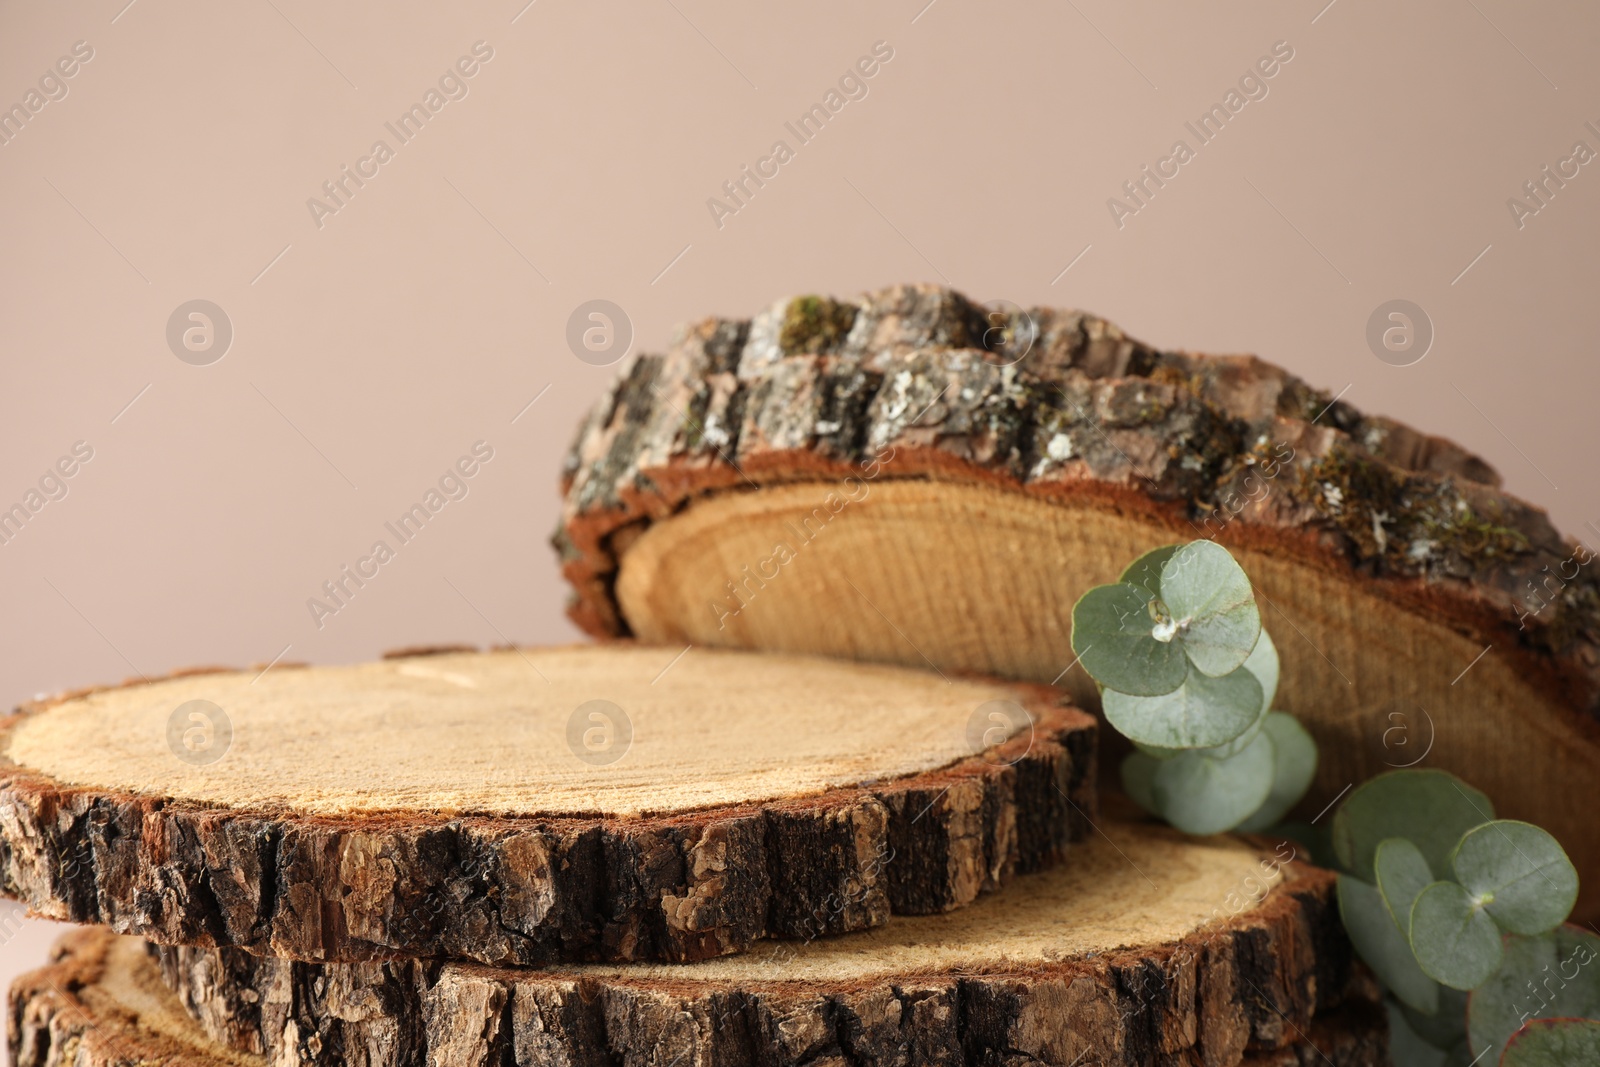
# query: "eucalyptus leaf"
1554, 1043
1161, 752
1263, 663
1240, 743
1202, 795
1201, 713
1146, 570
1407, 1048
1446, 1028
1312, 841
1210, 597
1402, 876
1138, 772
1544, 977
1222, 751
1520, 870
1380, 943
1455, 941
1430, 808
1294, 764
1111, 634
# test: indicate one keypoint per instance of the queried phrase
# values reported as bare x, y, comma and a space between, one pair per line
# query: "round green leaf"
1202, 795
1294, 764
1446, 1028
1263, 663
1312, 841
1407, 1048
1520, 870
1454, 939
1554, 1043
1222, 751
1544, 977
1380, 943
1138, 772
1402, 876
1200, 713
1111, 634
1210, 598
1160, 752
1146, 570
1430, 808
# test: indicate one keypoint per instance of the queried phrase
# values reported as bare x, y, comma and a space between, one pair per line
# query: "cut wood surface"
100, 1003
1151, 948
861, 480
449, 805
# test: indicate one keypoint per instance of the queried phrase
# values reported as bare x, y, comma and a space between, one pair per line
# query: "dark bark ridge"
61, 1015
814, 389
522, 891
1250, 989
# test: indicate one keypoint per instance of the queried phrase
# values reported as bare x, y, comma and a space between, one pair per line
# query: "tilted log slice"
457, 805
862, 479
1151, 948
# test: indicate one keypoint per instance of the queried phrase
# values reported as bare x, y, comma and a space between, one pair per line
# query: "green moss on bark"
1392, 518
814, 324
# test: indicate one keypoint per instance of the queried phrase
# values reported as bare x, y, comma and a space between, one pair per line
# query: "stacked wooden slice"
354, 864
530, 806
826, 806
1122, 957
912, 478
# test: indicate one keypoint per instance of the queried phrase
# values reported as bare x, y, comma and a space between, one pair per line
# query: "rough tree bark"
101, 1005
1002, 982
523, 889
1414, 601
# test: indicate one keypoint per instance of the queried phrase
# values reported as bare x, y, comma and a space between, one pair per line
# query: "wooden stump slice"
102, 1004
1152, 948
522, 806
863, 480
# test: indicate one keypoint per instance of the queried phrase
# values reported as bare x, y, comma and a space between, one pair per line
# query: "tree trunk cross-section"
432, 807
1175, 962
863, 480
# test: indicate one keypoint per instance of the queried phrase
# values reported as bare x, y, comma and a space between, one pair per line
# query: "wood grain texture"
101, 1004
884, 491
1255, 979
619, 731
531, 888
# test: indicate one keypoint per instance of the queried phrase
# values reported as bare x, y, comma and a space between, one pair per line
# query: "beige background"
427, 313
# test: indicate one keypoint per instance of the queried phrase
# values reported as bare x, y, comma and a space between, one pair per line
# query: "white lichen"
1059, 448
901, 402
1421, 549
714, 434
